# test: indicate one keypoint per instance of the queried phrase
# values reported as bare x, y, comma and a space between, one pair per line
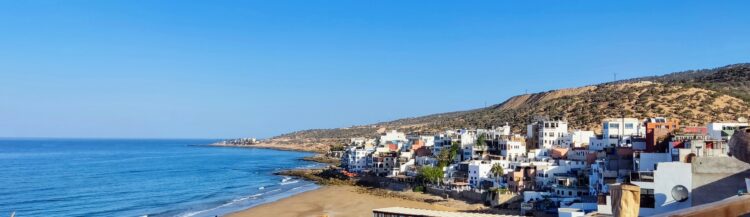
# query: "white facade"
599, 143
512, 147
668, 176
570, 212
619, 131
481, 171
648, 161
541, 154
426, 161
467, 139
546, 174
552, 133
578, 138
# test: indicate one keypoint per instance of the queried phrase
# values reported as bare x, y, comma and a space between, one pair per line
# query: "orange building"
657, 130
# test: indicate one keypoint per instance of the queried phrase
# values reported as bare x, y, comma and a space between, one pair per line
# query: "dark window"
647, 198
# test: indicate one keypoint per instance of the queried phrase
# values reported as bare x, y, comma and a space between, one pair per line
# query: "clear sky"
222, 69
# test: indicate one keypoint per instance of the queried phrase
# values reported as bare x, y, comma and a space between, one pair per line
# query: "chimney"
626, 200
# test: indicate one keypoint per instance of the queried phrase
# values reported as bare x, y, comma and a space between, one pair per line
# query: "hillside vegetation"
694, 97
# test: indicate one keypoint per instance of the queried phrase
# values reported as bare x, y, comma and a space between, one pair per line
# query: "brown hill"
694, 97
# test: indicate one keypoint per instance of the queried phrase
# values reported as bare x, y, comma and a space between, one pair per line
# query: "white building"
393, 137
482, 171
355, 159
619, 131
512, 147
441, 141
547, 133
598, 143
724, 131
646, 162
578, 138
468, 139
668, 189
546, 175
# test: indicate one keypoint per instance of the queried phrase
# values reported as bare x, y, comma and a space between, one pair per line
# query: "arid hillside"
693, 97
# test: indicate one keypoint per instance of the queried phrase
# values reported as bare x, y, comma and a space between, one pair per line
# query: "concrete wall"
716, 178
470, 196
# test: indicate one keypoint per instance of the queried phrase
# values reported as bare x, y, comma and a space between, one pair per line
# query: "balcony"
642, 176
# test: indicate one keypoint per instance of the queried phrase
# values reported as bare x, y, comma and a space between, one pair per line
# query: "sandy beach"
335, 201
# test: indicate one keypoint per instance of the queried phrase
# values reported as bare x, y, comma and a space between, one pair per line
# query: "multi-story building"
657, 132
512, 147
355, 158
386, 164
441, 141
570, 184
546, 132
614, 166
617, 132
522, 178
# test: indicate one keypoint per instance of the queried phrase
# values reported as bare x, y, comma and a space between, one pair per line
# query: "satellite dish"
742, 119
680, 193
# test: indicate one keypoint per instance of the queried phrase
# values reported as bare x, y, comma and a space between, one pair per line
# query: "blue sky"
222, 69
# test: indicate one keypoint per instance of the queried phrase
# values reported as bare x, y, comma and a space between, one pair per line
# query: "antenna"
615, 77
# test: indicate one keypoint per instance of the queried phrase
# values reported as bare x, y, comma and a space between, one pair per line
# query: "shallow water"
124, 177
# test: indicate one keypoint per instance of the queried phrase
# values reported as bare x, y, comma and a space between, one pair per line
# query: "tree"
497, 171
447, 156
480, 140
431, 174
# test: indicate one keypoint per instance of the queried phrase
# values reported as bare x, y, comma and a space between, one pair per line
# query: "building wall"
648, 161
669, 175
578, 138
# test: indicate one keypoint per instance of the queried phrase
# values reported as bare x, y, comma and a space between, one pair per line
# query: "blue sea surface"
125, 177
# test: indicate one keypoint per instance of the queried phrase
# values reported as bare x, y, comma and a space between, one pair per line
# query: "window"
629, 126
647, 198
614, 125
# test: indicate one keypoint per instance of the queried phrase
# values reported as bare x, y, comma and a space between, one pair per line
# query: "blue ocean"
125, 177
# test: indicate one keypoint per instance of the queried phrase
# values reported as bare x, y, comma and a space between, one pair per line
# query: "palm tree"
497, 171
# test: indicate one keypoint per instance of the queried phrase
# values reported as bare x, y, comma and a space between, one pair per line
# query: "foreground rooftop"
400, 211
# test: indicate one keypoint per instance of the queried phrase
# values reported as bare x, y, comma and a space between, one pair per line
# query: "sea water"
134, 177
